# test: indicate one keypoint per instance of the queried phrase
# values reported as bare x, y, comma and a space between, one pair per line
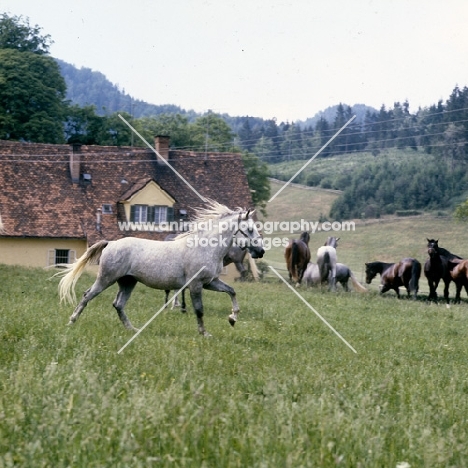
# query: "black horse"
438, 267
393, 275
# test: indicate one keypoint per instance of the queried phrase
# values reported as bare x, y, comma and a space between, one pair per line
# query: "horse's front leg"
196, 296
433, 290
459, 286
219, 286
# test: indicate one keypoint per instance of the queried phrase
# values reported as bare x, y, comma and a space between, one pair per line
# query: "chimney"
75, 159
161, 145
98, 219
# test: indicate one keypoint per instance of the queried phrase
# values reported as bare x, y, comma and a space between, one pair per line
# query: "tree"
32, 90
83, 125
461, 211
32, 94
211, 133
17, 34
257, 178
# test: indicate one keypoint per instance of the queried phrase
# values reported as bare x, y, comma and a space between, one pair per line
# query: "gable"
150, 194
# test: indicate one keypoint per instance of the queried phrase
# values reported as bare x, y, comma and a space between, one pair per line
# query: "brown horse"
297, 255
459, 275
393, 275
438, 267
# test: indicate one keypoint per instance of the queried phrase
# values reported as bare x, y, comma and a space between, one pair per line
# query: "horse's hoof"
207, 335
232, 320
447, 305
70, 323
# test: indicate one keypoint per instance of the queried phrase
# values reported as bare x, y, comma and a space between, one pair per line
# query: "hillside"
88, 87
389, 239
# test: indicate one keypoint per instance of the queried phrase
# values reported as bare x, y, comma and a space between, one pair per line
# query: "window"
61, 257
160, 214
139, 213
106, 208
151, 214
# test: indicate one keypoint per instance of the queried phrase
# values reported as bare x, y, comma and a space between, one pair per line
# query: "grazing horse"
195, 256
297, 255
326, 261
438, 267
460, 278
393, 275
343, 275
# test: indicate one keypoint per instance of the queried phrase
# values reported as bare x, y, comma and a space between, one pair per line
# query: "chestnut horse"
297, 255
393, 275
459, 275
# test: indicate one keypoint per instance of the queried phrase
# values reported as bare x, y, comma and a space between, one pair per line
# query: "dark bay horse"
393, 275
297, 255
438, 267
460, 278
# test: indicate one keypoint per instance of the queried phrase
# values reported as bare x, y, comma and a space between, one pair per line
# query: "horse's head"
371, 273
252, 239
332, 242
432, 247
305, 237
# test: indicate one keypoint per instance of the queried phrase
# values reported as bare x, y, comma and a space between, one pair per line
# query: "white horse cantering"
166, 265
326, 261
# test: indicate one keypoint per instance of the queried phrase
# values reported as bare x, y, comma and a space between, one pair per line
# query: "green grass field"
278, 390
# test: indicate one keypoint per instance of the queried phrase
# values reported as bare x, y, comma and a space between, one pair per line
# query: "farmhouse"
56, 200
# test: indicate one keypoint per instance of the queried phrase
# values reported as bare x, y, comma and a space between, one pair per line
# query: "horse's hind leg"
219, 286
196, 296
126, 286
89, 294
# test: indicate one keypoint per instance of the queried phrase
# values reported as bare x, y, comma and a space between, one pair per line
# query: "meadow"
279, 389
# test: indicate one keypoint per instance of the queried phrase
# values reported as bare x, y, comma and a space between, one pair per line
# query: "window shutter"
170, 213
72, 256
132, 213
51, 257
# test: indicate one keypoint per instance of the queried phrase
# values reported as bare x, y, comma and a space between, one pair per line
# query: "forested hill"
88, 87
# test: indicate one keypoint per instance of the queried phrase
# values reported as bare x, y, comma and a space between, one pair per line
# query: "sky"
264, 58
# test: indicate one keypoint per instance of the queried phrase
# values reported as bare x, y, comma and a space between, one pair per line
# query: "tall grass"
277, 390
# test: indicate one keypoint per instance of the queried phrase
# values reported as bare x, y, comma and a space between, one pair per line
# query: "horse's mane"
212, 211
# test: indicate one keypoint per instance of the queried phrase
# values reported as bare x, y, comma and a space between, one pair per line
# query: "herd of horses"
441, 265
185, 264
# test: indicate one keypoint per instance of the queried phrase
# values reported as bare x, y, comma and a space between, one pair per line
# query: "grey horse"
343, 275
193, 260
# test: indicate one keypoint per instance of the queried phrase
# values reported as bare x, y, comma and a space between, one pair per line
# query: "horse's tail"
324, 266
356, 284
72, 274
415, 274
294, 261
